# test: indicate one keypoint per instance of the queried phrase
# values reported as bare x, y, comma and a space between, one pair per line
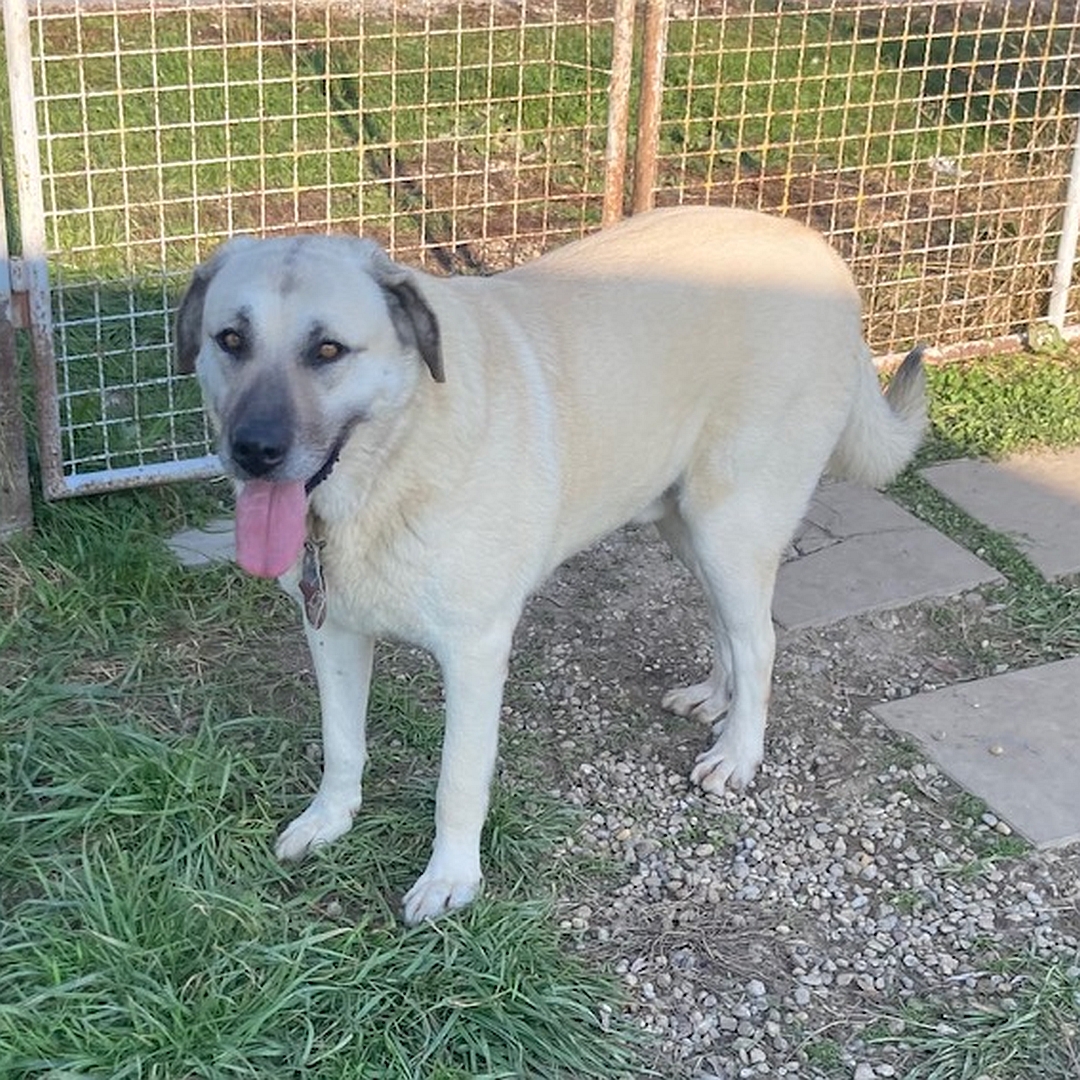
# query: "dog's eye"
329, 350
231, 341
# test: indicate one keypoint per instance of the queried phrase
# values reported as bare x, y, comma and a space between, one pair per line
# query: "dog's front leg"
342, 660
473, 674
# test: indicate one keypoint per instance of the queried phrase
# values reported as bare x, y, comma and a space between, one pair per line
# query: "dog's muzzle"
258, 447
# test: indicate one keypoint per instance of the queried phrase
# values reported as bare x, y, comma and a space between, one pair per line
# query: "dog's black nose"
259, 448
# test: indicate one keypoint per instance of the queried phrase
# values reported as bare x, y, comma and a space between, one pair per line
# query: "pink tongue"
271, 523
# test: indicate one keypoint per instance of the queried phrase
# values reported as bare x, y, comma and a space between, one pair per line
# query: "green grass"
991, 406
120, 403
152, 732
148, 931
165, 131
263, 107
755, 89
367, 114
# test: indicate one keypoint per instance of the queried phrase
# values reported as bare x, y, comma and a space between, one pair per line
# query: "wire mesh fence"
465, 138
930, 141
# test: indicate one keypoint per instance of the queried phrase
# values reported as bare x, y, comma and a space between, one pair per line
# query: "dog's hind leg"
736, 545
705, 701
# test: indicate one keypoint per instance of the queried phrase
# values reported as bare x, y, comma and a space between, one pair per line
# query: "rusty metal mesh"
930, 141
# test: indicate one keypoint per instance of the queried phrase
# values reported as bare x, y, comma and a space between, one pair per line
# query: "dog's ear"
413, 318
189, 314
416, 324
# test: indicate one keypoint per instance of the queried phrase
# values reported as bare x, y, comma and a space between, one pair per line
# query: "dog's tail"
883, 431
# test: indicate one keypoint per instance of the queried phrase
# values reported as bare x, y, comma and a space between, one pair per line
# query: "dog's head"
298, 342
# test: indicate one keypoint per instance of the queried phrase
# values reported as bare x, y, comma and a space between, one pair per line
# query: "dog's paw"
727, 763
320, 824
438, 891
706, 702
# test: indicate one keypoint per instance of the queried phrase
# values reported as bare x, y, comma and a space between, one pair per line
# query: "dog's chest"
376, 589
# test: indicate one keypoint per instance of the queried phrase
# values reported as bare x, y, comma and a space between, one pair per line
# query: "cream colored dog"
415, 454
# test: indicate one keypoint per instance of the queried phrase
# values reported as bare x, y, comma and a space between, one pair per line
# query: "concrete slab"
203, 547
1033, 498
857, 551
1011, 740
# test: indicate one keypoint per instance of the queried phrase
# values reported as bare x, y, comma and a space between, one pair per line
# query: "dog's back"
679, 335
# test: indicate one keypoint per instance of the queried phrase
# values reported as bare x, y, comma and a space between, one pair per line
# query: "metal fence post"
615, 150
16, 515
1066, 253
34, 274
650, 104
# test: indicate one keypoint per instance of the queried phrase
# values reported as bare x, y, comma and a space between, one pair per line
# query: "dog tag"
313, 583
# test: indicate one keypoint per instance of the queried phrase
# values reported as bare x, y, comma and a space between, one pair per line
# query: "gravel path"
759, 934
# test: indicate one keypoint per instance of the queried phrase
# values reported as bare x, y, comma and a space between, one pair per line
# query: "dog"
414, 455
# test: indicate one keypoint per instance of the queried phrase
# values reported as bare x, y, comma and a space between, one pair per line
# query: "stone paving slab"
1011, 740
202, 547
1033, 498
857, 551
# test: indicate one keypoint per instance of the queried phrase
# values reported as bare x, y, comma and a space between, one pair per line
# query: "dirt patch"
850, 878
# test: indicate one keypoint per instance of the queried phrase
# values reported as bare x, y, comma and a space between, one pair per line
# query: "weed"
824, 1053
968, 809
902, 752
907, 901
988, 845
